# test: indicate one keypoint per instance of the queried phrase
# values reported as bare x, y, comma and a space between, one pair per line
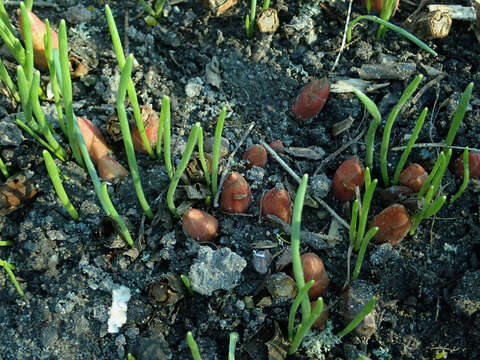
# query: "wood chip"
16, 191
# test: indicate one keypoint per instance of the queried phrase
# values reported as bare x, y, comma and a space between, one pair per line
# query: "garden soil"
427, 287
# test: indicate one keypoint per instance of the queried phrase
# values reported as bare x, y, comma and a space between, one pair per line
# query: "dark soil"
427, 287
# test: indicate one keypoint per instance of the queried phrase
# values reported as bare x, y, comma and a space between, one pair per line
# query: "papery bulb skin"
256, 155
311, 100
236, 196
393, 224
277, 202
413, 177
38, 31
349, 175
200, 225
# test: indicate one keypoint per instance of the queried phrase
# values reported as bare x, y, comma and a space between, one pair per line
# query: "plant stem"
216, 149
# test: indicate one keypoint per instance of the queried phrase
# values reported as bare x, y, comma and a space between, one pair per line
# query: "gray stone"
321, 185
215, 270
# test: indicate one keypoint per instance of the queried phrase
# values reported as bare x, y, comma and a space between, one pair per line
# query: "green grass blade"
409, 147
4, 18
193, 347
147, 7
232, 345
357, 319
42, 142
390, 26
377, 118
167, 142
57, 184
302, 293
362, 224
306, 326
9, 269
192, 140
466, 177
435, 207
127, 138
3, 169
459, 114
295, 243
7, 80
27, 33
202, 157
389, 124
164, 113
363, 248
353, 223
216, 149
122, 228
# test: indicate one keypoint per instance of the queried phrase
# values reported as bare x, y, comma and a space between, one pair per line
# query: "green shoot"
27, 33
389, 124
26, 99
6, 243
192, 140
66, 88
353, 223
193, 346
202, 157
232, 345
250, 19
375, 113
390, 26
132, 95
295, 243
438, 163
166, 134
42, 142
363, 248
57, 184
385, 14
459, 114
9, 269
409, 147
216, 149
154, 15
29, 4
125, 80
3, 169
367, 199
122, 228
7, 80
4, 18
358, 319
7, 34
130, 357
47, 41
266, 4
187, 284
305, 326
165, 112
302, 293
466, 176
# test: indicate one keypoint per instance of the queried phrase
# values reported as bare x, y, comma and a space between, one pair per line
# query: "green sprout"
187, 284
365, 208
7, 80
375, 113
163, 114
308, 316
47, 41
216, 149
409, 147
3, 169
57, 184
358, 319
10, 40
125, 80
122, 228
466, 176
166, 133
385, 14
9, 269
202, 157
155, 13
389, 124
130, 357
192, 344
27, 34
250, 19
132, 95
192, 139
232, 345
390, 26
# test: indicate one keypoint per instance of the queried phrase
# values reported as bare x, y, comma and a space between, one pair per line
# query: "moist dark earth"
427, 287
